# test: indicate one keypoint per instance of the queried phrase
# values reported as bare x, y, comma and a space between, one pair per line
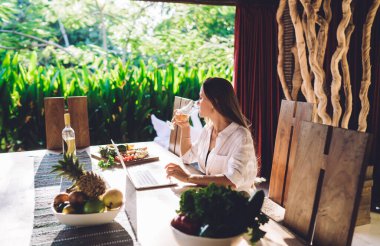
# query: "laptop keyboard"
144, 178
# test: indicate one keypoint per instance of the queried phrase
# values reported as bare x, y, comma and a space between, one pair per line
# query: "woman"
224, 151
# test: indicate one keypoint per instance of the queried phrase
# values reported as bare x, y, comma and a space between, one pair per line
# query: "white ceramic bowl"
184, 239
87, 219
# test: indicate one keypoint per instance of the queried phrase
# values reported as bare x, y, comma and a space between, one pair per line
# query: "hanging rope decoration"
280, 59
297, 78
315, 47
317, 69
366, 63
346, 76
337, 56
301, 49
323, 31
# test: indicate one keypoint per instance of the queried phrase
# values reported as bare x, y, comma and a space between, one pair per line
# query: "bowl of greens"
217, 215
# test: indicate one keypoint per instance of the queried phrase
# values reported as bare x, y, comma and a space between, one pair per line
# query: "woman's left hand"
176, 171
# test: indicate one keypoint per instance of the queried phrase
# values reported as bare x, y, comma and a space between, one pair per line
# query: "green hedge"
121, 98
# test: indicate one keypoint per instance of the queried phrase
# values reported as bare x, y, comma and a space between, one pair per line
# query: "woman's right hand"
180, 120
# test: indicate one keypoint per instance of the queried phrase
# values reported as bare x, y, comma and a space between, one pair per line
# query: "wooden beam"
205, 2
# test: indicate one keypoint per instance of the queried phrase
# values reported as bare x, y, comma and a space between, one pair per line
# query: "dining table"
27, 189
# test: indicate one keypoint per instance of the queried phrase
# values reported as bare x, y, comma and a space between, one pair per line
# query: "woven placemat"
47, 230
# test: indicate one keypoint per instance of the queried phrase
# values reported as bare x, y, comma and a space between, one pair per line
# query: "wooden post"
79, 120
54, 123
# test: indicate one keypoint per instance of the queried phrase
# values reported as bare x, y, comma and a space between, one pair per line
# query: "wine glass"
183, 114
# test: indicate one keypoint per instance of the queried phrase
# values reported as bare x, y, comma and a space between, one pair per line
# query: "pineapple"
88, 182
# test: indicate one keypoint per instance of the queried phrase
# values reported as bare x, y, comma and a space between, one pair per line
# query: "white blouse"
233, 155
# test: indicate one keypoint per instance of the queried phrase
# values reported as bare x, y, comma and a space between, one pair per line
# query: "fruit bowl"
184, 239
87, 219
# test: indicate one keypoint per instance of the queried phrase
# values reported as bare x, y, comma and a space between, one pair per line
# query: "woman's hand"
180, 120
176, 171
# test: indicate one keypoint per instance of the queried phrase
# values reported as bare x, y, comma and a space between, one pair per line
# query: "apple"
77, 199
60, 199
93, 206
185, 224
68, 210
113, 198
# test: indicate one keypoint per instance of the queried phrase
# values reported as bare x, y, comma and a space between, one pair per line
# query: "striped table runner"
46, 228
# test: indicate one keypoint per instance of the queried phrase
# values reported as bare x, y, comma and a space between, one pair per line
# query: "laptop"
149, 176
146, 176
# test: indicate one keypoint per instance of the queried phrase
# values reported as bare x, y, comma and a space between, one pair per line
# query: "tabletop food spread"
130, 154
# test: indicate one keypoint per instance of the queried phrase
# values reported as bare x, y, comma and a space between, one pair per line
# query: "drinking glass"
183, 114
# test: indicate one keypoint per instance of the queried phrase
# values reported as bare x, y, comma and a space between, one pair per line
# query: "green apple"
68, 210
93, 206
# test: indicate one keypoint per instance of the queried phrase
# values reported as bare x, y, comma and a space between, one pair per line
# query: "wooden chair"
175, 135
291, 115
54, 122
326, 185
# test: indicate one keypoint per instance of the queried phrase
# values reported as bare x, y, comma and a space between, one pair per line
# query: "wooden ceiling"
207, 2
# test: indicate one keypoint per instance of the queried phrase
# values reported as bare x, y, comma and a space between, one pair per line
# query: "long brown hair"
222, 96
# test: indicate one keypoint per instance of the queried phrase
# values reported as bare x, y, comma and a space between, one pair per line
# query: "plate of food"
131, 155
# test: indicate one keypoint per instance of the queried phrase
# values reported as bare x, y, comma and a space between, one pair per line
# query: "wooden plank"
206, 2
327, 183
342, 186
291, 114
303, 186
79, 120
54, 123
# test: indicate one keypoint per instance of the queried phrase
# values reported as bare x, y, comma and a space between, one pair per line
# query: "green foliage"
120, 100
69, 168
76, 32
123, 61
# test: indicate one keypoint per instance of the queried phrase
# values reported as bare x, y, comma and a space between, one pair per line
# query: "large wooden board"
326, 183
175, 135
291, 115
54, 108
79, 120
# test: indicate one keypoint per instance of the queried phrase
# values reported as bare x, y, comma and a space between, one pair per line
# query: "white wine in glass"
183, 113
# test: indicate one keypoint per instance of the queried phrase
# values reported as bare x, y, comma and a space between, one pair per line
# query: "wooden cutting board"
326, 183
129, 163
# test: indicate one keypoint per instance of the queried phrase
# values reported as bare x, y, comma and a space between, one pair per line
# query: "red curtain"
255, 76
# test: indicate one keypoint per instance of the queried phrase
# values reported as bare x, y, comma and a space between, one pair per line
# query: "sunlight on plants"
129, 57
